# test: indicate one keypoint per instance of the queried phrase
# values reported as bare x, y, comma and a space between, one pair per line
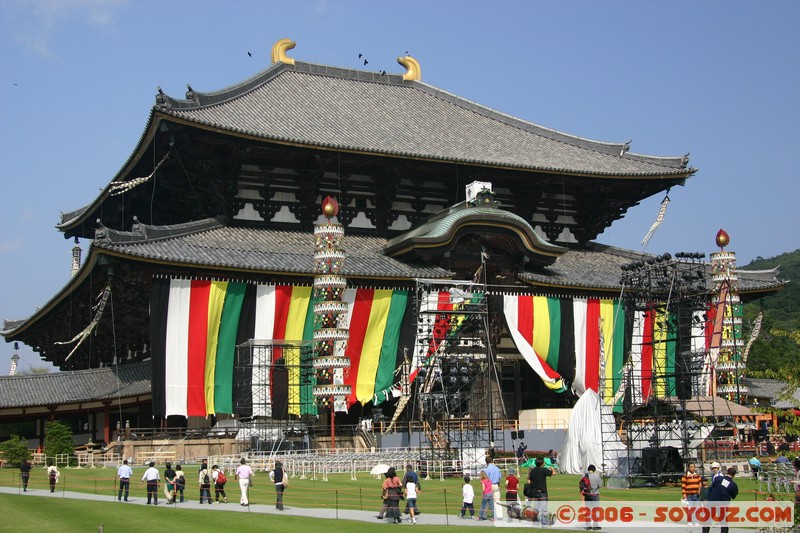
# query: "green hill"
778, 346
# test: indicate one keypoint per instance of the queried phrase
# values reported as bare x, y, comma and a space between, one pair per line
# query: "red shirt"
511, 483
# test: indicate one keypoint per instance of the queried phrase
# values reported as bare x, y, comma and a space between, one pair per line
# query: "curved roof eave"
74, 282
71, 219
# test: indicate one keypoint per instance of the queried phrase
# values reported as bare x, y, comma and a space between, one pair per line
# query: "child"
468, 496
219, 479
487, 499
411, 500
512, 485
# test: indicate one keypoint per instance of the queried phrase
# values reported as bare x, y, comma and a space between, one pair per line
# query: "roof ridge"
141, 232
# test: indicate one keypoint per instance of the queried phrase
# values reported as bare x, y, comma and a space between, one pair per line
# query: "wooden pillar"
107, 423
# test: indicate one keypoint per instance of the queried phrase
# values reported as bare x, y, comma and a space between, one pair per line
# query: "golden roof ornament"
413, 70
279, 50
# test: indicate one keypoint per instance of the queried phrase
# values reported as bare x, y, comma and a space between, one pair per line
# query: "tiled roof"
211, 243
77, 386
600, 267
771, 390
351, 110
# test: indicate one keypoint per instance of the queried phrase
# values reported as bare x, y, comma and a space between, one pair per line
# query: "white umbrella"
379, 469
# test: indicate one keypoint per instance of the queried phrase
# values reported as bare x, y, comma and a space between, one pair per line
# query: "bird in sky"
360, 56
366, 62
249, 54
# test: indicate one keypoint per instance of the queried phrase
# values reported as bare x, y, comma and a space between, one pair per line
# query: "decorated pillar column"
730, 366
330, 313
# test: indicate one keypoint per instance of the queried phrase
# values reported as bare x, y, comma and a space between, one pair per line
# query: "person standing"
411, 477
487, 497
219, 478
723, 489
180, 483
244, 474
512, 486
205, 486
494, 475
593, 495
25, 474
169, 483
521, 453
203, 466
467, 498
537, 478
279, 477
124, 474
52, 475
690, 488
151, 476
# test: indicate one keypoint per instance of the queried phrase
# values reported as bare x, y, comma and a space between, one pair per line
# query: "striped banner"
197, 325
522, 319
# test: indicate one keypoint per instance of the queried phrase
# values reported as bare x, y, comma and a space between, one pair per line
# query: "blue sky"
717, 79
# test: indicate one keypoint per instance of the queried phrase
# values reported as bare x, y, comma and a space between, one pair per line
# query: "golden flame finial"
723, 239
279, 50
413, 70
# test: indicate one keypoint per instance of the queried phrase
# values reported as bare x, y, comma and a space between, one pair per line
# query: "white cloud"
39, 20
7, 247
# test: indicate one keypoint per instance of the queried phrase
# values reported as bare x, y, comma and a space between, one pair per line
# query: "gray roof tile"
77, 386
344, 109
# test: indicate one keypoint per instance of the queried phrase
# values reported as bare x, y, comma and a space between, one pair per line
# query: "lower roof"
57, 388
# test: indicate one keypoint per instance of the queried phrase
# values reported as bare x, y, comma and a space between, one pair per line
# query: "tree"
15, 450
58, 439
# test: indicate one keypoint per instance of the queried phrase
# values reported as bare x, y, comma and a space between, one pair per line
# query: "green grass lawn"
341, 492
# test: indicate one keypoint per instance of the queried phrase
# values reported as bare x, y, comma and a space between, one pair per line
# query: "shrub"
58, 440
15, 450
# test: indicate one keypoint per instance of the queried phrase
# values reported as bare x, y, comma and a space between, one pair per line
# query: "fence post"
360, 500
337, 504
446, 510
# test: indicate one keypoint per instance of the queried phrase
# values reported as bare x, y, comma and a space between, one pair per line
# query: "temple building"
467, 230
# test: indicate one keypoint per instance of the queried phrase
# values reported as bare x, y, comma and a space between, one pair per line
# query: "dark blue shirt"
723, 489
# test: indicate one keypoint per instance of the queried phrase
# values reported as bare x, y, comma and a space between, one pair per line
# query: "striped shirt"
690, 483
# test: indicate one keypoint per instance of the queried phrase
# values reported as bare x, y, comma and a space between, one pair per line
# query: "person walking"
411, 477
592, 496
392, 490
281, 481
124, 474
25, 474
690, 489
151, 476
219, 479
52, 475
537, 478
494, 475
180, 483
487, 497
467, 499
205, 486
723, 489
169, 483
411, 489
244, 475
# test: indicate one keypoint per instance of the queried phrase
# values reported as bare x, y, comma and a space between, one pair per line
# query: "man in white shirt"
152, 476
243, 474
124, 474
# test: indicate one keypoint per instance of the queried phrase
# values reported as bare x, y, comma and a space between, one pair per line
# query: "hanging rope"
659, 219
125, 186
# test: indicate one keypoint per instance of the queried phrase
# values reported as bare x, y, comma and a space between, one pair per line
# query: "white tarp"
587, 430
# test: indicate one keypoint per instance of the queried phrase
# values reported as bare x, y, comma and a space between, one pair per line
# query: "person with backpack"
392, 490
723, 489
180, 483
589, 486
537, 489
218, 476
205, 486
